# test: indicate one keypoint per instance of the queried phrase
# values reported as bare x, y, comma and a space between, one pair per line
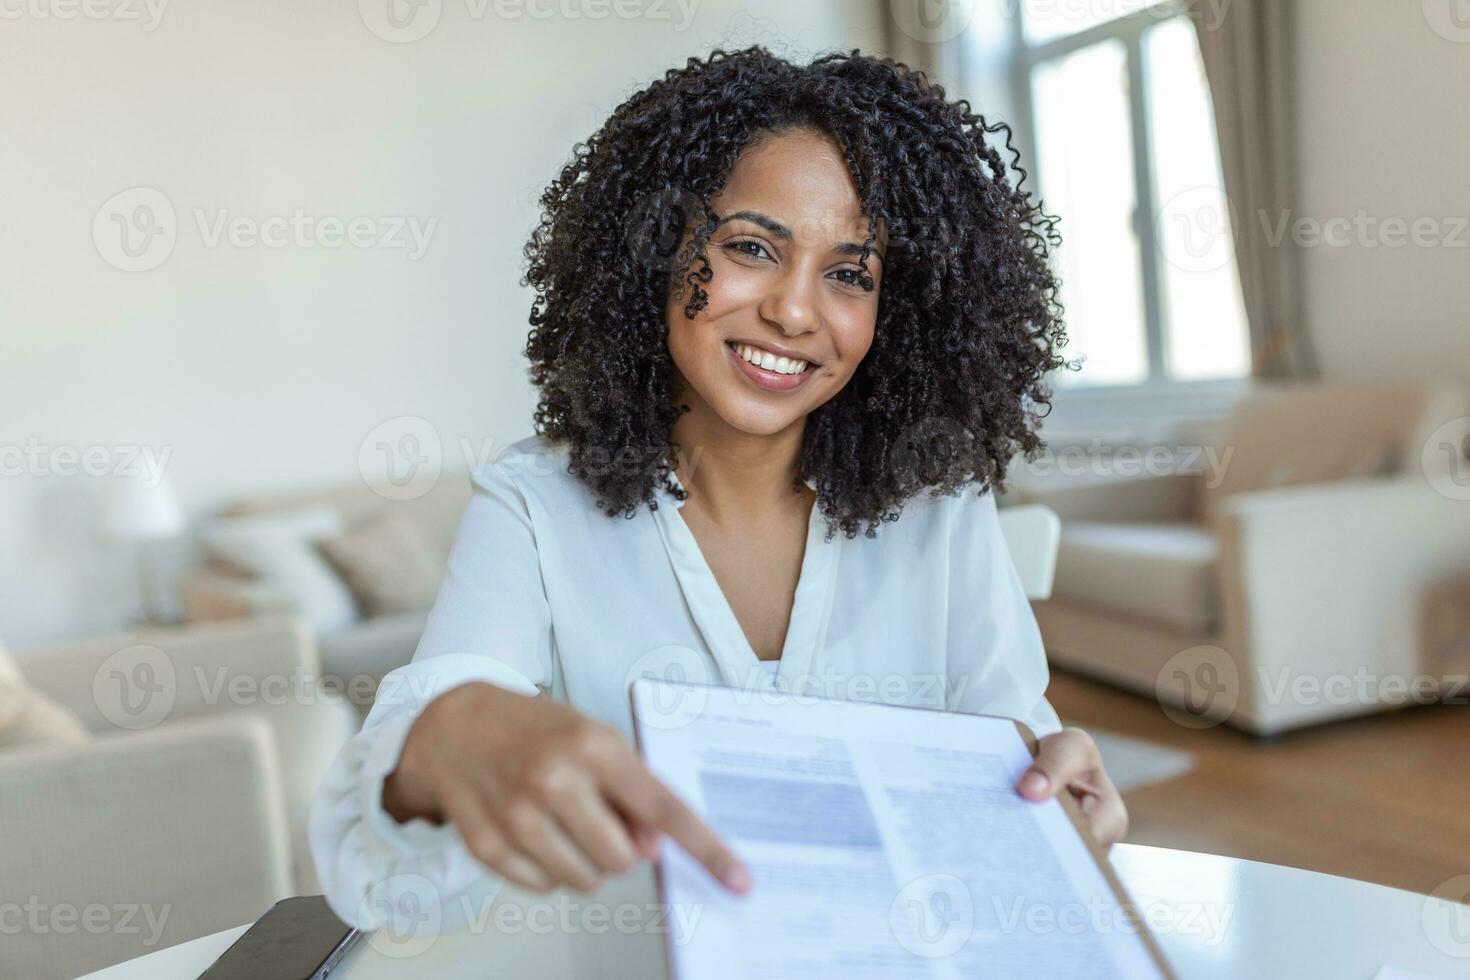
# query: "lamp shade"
137, 509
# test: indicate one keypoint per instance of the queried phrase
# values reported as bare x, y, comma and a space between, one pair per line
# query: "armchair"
1286, 591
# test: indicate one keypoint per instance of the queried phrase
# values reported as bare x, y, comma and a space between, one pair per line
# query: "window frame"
1208, 397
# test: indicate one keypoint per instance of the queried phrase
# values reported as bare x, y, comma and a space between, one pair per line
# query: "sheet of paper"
884, 843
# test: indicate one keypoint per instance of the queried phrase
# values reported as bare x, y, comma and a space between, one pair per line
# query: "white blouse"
547, 594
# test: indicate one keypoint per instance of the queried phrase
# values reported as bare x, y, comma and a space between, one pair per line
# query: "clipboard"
1125, 903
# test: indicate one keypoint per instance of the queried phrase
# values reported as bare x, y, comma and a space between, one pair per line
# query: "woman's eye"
754, 250
854, 277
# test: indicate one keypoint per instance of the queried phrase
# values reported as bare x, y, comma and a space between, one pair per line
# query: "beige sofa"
186, 811
360, 653
1287, 589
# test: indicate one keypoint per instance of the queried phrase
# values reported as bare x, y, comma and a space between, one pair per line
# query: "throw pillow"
28, 717
386, 563
279, 549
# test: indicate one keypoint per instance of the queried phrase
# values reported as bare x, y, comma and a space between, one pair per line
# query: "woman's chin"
758, 420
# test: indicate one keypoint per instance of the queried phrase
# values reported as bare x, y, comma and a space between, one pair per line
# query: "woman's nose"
789, 305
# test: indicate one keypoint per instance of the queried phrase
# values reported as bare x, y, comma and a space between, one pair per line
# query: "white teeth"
769, 361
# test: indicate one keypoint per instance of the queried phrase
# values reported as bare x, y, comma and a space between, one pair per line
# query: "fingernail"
738, 879
1034, 783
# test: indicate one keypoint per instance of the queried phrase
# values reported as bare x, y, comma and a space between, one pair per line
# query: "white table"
1217, 917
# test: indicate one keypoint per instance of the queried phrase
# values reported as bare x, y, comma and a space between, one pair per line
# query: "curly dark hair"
968, 321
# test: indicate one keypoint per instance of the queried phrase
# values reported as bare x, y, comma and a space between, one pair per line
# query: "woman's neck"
734, 475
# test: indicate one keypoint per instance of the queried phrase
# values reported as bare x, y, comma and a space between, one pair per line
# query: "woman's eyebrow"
769, 224
782, 232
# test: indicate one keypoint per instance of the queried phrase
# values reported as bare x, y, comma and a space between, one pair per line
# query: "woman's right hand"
542, 795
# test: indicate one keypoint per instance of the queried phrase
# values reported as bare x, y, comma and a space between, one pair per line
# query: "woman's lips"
769, 380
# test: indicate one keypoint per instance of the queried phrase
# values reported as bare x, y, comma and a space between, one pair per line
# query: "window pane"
1047, 20
1204, 317
1084, 149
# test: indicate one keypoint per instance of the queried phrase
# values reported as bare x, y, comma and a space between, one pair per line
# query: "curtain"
917, 33
1247, 56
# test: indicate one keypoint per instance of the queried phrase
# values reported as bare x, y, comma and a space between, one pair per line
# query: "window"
1124, 151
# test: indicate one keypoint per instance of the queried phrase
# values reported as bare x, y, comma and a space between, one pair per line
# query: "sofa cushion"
29, 718
371, 647
1160, 572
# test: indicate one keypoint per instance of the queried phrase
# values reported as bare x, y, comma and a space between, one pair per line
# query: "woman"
791, 324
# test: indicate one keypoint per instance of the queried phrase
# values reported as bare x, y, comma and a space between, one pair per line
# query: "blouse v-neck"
811, 606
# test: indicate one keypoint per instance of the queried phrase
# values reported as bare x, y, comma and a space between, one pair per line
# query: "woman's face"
787, 320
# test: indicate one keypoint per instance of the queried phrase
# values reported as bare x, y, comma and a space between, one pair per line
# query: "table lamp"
140, 513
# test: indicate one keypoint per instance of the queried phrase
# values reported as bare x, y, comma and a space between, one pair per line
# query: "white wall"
259, 367
1384, 118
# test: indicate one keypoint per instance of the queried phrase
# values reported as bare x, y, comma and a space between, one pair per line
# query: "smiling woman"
844, 213
765, 294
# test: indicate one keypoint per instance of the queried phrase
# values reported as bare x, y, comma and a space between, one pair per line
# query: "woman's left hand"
1069, 758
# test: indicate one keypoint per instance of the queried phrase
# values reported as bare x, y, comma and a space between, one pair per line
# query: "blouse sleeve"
997, 664
491, 622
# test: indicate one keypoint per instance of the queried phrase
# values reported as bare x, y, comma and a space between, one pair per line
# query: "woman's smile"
768, 370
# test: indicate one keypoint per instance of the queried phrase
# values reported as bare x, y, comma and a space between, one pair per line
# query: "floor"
1384, 798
